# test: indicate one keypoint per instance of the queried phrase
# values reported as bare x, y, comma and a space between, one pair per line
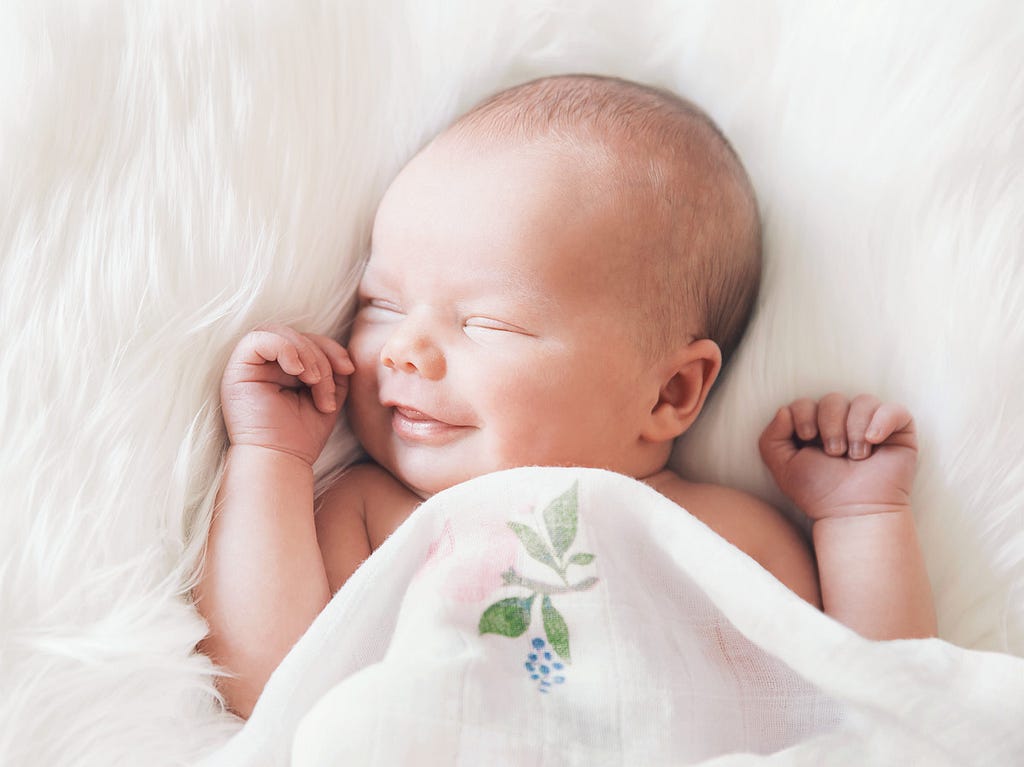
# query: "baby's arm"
264, 580
849, 466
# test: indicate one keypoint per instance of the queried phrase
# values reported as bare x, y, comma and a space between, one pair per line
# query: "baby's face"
494, 328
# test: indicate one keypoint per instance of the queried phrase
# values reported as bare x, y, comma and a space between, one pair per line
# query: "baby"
557, 279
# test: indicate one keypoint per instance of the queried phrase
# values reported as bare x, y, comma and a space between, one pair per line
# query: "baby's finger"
309, 357
262, 346
892, 424
323, 390
832, 410
862, 409
338, 356
776, 442
805, 418
323, 394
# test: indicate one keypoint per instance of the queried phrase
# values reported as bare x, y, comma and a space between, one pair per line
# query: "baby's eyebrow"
523, 303
531, 288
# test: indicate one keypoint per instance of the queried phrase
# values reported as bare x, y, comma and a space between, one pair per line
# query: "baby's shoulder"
715, 505
749, 523
362, 508
367, 479
382, 501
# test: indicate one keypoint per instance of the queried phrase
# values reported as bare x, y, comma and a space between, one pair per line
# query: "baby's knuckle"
269, 340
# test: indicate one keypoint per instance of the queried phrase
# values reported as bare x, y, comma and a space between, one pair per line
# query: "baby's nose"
409, 351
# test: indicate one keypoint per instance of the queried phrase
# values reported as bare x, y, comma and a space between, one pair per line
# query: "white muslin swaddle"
575, 616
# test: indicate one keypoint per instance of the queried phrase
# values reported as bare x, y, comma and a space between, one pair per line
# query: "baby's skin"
493, 332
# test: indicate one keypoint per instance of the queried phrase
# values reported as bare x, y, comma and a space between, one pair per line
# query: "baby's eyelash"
486, 323
379, 303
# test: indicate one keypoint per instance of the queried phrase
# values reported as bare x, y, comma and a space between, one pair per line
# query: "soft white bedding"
172, 173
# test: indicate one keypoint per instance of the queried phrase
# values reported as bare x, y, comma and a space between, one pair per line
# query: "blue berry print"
542, 672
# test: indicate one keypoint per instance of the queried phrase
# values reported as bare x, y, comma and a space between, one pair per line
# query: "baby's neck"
660, 480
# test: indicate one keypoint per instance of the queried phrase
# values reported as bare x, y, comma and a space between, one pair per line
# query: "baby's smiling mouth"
412, 425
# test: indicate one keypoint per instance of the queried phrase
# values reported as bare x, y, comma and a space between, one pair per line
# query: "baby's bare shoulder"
755, 527
715, 505
356, 514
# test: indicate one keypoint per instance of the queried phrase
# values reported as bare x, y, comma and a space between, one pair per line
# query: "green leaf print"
509, 617
534, 544
585, 584
560, 520
555, 628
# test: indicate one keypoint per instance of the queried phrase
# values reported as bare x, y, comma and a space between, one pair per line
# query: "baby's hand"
837, 458
283, 389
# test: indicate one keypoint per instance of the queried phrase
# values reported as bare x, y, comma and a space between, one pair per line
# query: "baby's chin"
426, 486
427, 475
426, 483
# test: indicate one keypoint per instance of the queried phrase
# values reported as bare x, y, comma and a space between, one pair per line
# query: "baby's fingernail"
834, 446
858, 450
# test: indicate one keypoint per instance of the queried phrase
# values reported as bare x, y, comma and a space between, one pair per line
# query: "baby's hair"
693, 203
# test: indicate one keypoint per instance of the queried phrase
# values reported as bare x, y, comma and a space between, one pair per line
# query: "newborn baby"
557, 279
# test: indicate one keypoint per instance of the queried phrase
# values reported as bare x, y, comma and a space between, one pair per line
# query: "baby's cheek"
534, 438
366, 417
364, 351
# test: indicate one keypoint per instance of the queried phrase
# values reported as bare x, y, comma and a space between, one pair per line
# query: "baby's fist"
837, 457
282, 390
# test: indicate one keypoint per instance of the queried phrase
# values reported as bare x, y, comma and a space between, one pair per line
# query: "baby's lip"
417, 426
415, 413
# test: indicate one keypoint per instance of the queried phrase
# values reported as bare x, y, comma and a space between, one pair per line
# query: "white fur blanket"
576, 617
173, 173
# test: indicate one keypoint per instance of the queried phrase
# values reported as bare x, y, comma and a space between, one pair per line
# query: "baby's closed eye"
379, 308
485, 328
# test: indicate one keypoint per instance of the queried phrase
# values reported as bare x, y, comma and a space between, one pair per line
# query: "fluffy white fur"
173, 173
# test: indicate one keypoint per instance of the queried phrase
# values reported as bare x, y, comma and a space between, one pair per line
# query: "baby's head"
554, 280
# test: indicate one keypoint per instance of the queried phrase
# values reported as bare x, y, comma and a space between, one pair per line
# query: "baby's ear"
688, 378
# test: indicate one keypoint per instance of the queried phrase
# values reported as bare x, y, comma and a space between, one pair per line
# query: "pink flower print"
468, 557
440, 548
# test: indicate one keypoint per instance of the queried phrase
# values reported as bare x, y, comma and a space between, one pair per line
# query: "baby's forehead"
556, 215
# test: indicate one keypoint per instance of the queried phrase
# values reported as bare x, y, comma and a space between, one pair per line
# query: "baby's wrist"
268, 454
864, 536
862, 516
857, 510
